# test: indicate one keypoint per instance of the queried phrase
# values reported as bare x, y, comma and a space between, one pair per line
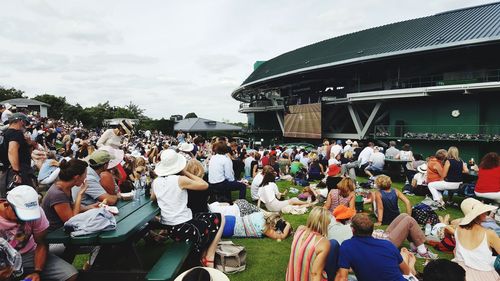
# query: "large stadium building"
431, 82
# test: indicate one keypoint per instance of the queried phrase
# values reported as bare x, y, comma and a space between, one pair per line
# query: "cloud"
52, 62
33, 61
38, 22
218, 63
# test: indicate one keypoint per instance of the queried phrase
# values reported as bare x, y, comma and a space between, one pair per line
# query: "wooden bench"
170, 263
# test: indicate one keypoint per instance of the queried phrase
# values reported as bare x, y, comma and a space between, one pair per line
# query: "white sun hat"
171, 163
215, 275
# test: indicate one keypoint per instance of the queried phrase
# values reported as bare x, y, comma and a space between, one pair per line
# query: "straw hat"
196, 272
422, 168
171, 163
127, 126
349, 142
473, 208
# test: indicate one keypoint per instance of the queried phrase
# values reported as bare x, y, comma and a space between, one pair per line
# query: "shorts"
55, 267
373, 169
200, 231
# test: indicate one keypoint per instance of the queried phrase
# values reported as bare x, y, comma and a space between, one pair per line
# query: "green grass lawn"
267, 259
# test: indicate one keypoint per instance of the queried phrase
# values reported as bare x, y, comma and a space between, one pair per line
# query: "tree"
191, 115
58, 105
7, 94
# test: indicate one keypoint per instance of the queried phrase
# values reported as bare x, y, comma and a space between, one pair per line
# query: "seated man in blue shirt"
221, 174
371, 258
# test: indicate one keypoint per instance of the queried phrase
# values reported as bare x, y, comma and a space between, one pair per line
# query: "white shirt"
220, 168
333, 161
421, 178
365, 154
109, 138
377, 160
268, 193
336, 149
248, 162
339, 231
305, 161
224, 209
172, 200
5, 115
254, 188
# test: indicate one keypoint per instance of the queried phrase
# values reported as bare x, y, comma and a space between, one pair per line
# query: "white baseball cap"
24, 201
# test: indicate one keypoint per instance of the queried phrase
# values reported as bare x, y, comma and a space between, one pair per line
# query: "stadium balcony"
474, 133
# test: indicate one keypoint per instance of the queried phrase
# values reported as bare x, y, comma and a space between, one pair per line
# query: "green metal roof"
449, 29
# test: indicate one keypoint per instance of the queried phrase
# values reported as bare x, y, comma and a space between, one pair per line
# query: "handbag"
230, 258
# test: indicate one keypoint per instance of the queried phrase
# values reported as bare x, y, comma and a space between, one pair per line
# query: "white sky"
172, 57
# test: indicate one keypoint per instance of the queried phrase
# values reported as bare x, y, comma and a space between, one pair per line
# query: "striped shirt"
302, 255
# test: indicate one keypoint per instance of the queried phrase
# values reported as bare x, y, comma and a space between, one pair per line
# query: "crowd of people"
54, 171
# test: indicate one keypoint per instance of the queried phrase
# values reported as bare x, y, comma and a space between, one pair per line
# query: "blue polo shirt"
371, 259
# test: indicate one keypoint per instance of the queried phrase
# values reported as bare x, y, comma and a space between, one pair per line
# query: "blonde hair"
348, 154
318, 220
194, 167
383, 182
346, 186
139, 161
453, 153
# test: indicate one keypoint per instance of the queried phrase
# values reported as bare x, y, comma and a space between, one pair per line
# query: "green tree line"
93, 116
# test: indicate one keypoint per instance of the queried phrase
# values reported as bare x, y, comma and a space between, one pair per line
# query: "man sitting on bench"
376, 163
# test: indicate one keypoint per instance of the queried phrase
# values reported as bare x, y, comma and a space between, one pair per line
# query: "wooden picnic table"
116, 244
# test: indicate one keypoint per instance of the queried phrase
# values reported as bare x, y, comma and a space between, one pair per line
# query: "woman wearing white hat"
202, 274
204, 230
113, 137
474, 243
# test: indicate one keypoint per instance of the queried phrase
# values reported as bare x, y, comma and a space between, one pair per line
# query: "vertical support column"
280, 121
356, 120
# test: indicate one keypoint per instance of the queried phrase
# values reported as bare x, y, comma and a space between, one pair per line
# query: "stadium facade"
431, 82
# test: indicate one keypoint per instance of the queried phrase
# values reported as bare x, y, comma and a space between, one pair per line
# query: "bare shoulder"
323, 245
491, 235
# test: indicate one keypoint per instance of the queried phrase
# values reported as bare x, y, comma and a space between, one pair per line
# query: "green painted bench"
170, 263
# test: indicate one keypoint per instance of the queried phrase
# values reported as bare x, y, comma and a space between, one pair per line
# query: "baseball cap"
24, 201
19, 116
99, 157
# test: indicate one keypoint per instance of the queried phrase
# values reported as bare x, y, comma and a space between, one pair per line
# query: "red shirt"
265, 161
488, 180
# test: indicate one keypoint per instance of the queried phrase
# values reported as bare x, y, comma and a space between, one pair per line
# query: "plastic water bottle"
137, 190
428, 228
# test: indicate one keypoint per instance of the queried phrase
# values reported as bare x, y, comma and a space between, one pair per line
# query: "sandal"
204, 262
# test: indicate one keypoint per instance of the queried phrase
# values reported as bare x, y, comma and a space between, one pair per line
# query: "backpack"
230, 258
423, 213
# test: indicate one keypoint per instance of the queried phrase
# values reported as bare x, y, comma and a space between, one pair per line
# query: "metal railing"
486, 133
467, 77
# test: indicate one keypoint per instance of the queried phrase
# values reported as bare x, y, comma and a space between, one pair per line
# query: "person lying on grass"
269, 194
